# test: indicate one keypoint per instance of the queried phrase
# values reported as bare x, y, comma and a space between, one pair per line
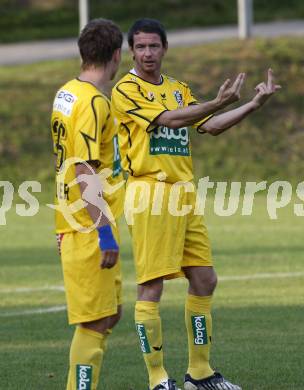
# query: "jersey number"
59, 134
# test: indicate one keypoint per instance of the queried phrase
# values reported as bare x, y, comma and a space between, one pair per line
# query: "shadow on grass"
258, 347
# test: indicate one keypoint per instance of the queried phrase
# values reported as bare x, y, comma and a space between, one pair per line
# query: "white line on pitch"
276, 275
53, 309
31, 289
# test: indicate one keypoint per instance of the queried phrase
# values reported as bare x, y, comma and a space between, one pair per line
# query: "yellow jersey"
147, 149
83, 128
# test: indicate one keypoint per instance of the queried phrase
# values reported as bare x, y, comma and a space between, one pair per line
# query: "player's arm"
188, 116
219, 123
107, 242
94, 211
91, 118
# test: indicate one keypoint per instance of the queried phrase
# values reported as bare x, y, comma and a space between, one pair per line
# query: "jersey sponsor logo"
83, 377
144, 344
179, 98
199, 330
64, 102
164, 140
116, 158
67, 96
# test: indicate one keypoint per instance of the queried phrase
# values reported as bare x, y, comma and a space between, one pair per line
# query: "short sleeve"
89, 122
132, 103
190, 100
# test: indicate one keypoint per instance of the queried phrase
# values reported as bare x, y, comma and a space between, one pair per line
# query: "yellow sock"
86, 354
148, 326
199, 329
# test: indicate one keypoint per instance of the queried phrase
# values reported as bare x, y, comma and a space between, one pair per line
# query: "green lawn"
46, 19
258, 320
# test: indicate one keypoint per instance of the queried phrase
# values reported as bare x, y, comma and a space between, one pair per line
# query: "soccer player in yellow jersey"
153, 112
86, 144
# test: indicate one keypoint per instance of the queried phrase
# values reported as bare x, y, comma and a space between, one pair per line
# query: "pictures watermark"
76, 192
29, 208
228, 199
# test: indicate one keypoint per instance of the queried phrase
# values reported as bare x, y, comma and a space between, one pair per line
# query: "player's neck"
151, 77
97, 76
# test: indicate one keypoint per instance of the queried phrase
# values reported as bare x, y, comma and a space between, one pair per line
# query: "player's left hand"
108, 245
265, 90
109, 258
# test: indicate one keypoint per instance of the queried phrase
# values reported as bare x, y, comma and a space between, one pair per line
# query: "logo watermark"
95, 185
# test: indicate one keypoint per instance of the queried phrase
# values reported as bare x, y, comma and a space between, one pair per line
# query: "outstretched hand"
265, 90
230, 93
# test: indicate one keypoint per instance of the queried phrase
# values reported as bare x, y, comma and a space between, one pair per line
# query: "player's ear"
117, 55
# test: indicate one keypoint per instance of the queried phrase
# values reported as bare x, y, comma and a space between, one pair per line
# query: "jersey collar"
133, 71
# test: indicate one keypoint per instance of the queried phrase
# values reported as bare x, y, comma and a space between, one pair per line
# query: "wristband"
106, 238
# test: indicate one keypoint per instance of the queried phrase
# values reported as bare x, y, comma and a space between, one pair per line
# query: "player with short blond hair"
85, 144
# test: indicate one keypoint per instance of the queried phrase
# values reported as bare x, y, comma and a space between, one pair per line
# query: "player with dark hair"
153, 112
83, 132
147, 26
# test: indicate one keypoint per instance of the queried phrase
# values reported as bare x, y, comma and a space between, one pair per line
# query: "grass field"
22, 20
258, 315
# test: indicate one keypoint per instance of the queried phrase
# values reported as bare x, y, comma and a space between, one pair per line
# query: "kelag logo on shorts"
83, 377
170, 141
144, 344
199, 330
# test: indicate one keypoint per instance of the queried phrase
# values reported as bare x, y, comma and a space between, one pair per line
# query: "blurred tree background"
43, 19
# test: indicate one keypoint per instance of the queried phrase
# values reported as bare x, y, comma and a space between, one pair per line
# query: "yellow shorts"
165, 243
91, 292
